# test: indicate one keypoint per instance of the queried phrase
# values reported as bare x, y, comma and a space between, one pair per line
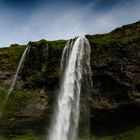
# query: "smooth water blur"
75, 63
18, 69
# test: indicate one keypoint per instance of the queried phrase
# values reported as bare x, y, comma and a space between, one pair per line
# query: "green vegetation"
133, 134
29, 136
2, 98
17, 101
9, 57
118, 37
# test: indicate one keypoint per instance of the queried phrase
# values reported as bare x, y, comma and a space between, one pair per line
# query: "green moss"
29, 136
17, 102
2, 98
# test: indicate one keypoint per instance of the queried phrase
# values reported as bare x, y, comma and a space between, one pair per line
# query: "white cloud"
58, 23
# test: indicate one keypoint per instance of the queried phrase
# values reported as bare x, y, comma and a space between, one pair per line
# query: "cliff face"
116, 79
115, 96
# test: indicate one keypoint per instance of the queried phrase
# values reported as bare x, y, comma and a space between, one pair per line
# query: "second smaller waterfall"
17, 71
27, 49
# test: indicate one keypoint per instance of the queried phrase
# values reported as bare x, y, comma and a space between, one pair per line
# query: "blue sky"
25, 20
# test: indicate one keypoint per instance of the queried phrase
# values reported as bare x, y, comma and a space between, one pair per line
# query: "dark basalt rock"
106, 122
115, 98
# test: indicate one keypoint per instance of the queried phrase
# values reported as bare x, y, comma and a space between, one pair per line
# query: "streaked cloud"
62, 21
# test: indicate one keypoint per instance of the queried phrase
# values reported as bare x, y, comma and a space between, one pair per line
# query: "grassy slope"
117, 37
133, 134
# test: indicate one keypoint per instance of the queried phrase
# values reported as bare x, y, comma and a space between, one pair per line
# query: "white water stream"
75, 63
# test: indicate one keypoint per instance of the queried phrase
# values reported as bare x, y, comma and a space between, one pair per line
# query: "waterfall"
15, 78
17, 71
75, 63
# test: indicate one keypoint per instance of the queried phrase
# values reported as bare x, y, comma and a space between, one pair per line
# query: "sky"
22, 21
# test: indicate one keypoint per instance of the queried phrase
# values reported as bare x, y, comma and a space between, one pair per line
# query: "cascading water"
17, 71
75, 63
15, 77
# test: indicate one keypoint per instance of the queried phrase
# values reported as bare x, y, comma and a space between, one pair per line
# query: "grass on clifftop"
9, 57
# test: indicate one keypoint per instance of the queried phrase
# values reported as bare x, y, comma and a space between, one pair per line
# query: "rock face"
115, 63
115, 97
